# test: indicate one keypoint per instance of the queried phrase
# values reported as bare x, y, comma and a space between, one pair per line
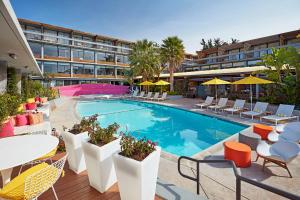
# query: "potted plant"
72, 138
136, 168
98, 153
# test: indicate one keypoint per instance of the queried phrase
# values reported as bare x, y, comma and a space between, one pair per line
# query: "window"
39, 64
50, 51
63, 52
77, 37
103, 70
50, 67
65, 35
101, 56
59, 83
120, 72
89, 69
89, 55
36, 49
64, 68
89, 40
78, 54
50, 36
34, 30
122, 59
110, 57
78, 69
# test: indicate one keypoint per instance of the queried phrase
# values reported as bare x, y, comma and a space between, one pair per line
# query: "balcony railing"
31, 35
246, 58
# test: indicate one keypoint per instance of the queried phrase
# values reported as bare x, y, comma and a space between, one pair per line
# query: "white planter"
137, 179
73, 147
99, 163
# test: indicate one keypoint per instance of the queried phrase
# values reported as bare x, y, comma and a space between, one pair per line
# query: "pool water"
177, 131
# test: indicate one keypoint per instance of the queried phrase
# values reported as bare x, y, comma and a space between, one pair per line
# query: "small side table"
239, 153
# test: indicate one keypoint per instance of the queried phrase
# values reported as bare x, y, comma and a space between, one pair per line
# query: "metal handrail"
239, 178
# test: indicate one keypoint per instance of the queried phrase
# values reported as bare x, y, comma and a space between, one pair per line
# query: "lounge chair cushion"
35, 118
262, 130
7, 129
31, 106
22, 120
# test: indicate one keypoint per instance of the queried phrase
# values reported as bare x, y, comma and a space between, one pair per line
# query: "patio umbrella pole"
251, 96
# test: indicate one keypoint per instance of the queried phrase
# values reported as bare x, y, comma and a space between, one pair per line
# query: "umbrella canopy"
146, 83
251, 80
216, 82
161, 82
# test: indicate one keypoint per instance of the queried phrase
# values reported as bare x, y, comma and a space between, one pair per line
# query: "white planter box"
73, 147
137, 179
99, 163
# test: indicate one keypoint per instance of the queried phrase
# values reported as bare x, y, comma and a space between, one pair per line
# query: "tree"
210, 44
12, 82
234, 41
144, 59
172, 52
217, 42
129, 75
203, 43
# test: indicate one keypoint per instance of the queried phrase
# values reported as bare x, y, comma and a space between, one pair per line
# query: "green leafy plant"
83, 126
101, 136
136, 149
4, 111
12, 82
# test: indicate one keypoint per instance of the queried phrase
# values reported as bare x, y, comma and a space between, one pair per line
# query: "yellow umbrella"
146, 83
251, 80
161, 83
216, 82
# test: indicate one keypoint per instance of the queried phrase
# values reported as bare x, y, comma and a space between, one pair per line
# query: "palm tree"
234, 41
144, 58
172, 51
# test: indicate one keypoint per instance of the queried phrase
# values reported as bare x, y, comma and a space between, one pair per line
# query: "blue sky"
155, 20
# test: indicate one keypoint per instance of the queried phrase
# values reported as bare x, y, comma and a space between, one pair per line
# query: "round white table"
18, 150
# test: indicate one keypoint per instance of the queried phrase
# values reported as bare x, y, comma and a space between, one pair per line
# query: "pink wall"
85, 89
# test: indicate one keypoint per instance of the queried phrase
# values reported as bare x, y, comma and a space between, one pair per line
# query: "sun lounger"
134, 94
289, 132
259, 109
237, 107
141, 94
155, 96
221, 104
279, 153
163, 97
208, 102
148, 96
284, 112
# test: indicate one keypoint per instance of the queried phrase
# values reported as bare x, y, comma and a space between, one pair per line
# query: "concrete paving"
217, 181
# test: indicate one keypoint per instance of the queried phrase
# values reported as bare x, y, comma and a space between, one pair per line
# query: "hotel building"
73, 57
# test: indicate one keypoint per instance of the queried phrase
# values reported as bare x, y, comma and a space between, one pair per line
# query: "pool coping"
200, 155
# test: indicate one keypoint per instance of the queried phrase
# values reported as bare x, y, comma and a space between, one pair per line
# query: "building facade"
71, 57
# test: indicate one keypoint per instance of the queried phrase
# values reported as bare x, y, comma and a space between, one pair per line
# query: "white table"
18, 150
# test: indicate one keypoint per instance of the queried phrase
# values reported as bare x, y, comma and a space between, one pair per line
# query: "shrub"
136, 149
12, 87
83, 125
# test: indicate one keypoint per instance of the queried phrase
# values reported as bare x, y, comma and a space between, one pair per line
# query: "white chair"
289, 132
221, 104
284, 112
134, 94
259, 109
237, 107
148, 96
155, 96
141, 94
208, 102
163, 97
280, 153
35, 181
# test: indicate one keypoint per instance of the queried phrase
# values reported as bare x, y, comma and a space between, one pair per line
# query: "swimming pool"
177, 131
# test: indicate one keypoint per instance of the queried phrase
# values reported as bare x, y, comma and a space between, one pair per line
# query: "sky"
190, 20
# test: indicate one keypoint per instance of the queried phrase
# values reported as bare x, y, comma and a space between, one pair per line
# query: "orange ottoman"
262, 130
239, 153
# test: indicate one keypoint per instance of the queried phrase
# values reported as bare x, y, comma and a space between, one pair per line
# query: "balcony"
247, 58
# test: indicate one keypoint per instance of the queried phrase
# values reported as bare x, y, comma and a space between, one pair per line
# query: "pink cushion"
7, 129
22, 120
30, 106
37, 99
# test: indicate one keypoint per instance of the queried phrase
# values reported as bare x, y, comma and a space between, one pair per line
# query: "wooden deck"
73, 186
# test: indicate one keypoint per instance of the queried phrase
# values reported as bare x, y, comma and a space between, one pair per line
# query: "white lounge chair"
208, 102
237, 107
221, 104
284, 112
134, 94
155, 96
289, 132
279, 153
141, 94
163, 97
259, 109
148, 96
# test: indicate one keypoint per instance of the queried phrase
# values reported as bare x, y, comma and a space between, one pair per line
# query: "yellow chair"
44, 158
30, 100
34, 181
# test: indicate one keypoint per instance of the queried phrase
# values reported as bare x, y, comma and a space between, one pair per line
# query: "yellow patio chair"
44, 158
35, 181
